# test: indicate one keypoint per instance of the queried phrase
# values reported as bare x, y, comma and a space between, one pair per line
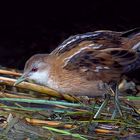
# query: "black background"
30, 28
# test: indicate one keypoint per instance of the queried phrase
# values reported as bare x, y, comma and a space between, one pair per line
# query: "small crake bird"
82, 63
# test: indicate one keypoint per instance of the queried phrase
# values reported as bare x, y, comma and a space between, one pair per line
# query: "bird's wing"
103, 36
99, 54
109, 39
101, 62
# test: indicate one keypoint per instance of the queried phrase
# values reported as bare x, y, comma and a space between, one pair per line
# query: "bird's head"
37, 69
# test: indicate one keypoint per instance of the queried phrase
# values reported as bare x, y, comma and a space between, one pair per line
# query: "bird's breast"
72, 83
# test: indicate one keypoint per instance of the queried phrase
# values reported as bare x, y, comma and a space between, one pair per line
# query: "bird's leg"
116, 101
114, 91
118, 105
107, 96
103, 105
110, 92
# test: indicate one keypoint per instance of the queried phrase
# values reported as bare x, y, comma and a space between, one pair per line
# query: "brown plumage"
82, 63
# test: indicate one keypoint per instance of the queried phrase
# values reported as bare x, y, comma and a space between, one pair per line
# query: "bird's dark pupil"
34, 69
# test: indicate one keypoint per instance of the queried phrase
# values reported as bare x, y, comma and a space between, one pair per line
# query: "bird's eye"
34, 69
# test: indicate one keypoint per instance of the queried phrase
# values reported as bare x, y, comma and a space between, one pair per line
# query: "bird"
81, 64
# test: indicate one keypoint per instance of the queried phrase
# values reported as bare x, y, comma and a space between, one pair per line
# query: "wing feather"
109, 62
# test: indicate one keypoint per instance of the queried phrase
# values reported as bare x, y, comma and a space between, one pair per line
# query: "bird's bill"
19, 80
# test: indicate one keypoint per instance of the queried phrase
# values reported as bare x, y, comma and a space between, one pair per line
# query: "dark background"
30, 28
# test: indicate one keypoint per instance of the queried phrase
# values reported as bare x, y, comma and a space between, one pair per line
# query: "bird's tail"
133, 36
133, 43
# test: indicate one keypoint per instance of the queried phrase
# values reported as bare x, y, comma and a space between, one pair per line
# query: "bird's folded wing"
101, 61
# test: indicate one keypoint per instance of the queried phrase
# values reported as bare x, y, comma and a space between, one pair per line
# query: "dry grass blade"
37, 88
8, 95
7, 72
50, 123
